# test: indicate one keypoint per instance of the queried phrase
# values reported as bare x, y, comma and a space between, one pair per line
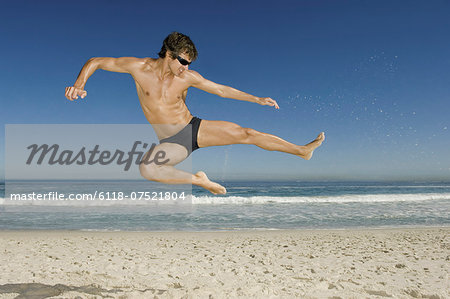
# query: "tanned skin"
162, 86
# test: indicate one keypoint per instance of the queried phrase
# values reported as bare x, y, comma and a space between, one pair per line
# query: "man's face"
178, 64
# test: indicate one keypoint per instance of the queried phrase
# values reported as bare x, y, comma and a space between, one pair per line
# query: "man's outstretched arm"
119, 65
228, 92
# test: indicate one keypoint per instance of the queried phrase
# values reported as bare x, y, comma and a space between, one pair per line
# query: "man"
162, 86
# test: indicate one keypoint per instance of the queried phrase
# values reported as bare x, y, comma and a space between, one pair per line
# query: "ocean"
246, 206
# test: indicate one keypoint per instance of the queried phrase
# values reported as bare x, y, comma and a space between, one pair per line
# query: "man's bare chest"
153, 89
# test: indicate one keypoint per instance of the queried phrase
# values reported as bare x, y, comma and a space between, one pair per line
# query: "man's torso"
162, 100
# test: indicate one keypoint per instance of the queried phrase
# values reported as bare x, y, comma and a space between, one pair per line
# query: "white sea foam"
367, 198
236, 200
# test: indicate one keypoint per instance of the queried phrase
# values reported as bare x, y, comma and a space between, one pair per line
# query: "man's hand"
72, 93
268, 102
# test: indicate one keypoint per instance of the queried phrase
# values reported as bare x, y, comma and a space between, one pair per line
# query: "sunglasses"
183, 61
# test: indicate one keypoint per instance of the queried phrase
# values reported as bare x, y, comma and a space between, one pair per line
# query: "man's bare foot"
212, 187
307, 150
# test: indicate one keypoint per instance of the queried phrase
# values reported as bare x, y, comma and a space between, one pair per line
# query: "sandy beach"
378, 263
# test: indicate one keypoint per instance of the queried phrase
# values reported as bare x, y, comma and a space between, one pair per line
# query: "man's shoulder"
145, 63
133, 63
192, 75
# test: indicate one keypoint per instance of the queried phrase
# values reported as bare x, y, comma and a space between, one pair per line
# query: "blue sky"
374, 75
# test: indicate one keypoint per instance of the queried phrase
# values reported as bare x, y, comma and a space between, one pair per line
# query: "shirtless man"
162, 86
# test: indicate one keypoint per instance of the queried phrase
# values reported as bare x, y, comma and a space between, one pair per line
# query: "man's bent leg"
213, 133
168, 174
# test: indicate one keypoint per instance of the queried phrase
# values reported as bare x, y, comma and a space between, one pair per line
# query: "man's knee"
150, 171
247, 135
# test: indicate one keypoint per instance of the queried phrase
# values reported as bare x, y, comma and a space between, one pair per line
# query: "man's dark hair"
178, 43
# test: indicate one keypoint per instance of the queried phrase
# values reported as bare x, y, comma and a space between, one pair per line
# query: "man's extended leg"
212, 133
168, 174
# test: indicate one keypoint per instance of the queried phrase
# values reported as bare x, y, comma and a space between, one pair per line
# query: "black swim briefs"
187, 137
